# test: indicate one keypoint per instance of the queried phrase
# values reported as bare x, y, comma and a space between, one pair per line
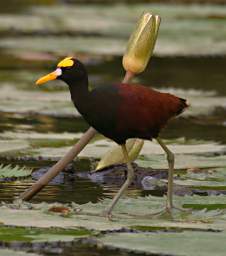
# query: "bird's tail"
183, 105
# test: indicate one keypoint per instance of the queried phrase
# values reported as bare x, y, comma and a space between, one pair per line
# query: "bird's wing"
145, 110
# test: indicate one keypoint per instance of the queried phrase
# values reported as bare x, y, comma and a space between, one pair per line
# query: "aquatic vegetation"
14, 172
173, 243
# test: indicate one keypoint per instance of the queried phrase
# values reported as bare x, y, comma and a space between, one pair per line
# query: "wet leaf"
22, 234
169, 243
203, 183
208, 179
14, 172
127, 212
183, 161
20, 101
11, 146
10, 252
40, 136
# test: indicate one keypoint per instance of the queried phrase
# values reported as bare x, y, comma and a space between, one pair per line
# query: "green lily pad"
21, 234
129, 211
7, 146
14, 172
169, 243
202, 184
188, 147
20, 101
9, 252
42, 140
207, 179
40, 136
183, 161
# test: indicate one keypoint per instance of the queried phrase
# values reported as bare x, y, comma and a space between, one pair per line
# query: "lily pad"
183, 161
169, 243
7, 146
187, 147
40, 136
127, 212
43, 140
21, 234
20, 101
9, 252
14, 172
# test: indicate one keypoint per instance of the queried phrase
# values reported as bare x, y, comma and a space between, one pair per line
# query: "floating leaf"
9, 252
169, 243
183, 161
14, 172
8, 146
10, 234
115, 155
128, 212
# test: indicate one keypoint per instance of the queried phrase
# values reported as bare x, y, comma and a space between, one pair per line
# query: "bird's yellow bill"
49, 77
44, 79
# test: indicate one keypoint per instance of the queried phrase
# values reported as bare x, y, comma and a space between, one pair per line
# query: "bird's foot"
188, 210
169, 211
107, 214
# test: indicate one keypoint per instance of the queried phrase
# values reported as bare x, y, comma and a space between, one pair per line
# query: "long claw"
107, 214
169, 211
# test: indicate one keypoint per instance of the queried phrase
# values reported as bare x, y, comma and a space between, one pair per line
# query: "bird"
121, 111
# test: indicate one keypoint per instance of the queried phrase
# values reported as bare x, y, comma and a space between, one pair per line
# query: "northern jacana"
119, 112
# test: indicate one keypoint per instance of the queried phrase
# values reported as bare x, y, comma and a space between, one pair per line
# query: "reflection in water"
79, 191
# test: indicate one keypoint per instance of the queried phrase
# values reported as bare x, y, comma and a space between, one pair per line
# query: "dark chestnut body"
122, 111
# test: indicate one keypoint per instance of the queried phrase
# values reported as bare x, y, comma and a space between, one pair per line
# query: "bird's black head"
69, 70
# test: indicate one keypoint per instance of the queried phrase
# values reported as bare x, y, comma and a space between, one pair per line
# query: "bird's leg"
129, 179
170, 159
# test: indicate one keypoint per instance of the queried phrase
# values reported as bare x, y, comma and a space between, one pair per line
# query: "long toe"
107, 214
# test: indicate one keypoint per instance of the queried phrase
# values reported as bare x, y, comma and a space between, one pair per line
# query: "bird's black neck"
80, 94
